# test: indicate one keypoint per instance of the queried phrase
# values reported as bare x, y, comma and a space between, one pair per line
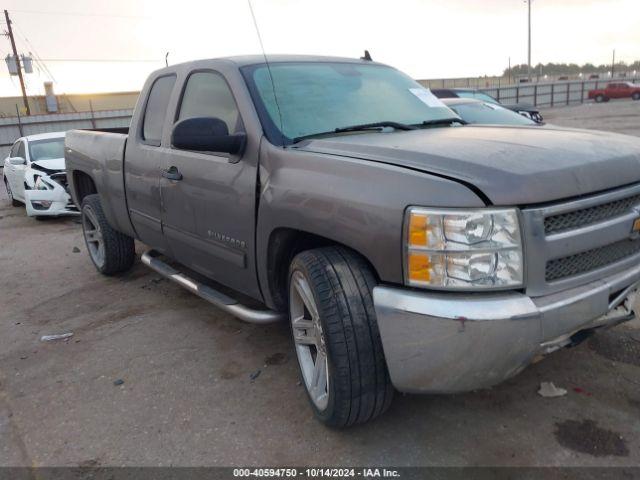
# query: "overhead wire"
81, 14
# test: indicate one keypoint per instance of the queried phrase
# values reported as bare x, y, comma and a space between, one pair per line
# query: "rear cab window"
156, 110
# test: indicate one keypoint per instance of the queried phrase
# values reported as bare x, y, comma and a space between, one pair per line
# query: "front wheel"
336, 336
600, 98
13, 201
110, 251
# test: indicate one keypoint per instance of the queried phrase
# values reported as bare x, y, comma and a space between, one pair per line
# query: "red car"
616, 90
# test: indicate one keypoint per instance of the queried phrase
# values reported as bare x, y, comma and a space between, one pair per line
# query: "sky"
127, 39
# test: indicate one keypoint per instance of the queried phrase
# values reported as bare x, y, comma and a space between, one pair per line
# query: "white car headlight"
42, 184
463, 249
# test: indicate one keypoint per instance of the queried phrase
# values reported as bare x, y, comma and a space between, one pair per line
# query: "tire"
110, 251
14, 202
600, 98
342, 322
636, 96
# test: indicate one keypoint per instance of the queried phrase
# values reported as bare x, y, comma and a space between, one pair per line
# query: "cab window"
156, 110
207, 94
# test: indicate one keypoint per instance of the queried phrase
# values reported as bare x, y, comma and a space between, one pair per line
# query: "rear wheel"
600, 98
110, 251
13, 201
336, 336
636, 96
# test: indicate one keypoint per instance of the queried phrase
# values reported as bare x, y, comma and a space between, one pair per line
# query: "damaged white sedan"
34, 174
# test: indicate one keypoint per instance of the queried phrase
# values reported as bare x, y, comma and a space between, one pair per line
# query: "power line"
82, 14
17, 60
35, 54
102, 60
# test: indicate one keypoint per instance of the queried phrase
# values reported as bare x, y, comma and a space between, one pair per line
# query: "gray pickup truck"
407, 250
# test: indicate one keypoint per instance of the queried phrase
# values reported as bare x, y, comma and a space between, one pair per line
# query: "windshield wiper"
358, 128
368, 126
443, 121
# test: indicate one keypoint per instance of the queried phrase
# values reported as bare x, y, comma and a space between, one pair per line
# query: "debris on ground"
76, 250
255, 375
61, 336
549, 390
118, 382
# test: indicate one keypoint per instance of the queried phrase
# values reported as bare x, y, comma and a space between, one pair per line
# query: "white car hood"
49, 164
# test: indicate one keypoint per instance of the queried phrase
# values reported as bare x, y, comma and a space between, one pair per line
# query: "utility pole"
15, 55
529, 46
613, 63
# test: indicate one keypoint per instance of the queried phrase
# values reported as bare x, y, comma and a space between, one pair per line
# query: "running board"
209, 294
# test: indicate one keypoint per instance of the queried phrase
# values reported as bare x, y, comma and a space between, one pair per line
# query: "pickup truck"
615, 90
408, 251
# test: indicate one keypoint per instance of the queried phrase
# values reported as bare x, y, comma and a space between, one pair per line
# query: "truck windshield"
46, 149
314, 98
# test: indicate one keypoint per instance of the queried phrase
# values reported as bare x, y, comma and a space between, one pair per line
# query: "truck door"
208, 213
144, 163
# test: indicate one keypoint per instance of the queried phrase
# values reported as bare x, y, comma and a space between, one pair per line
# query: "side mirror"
17, 161
206, 134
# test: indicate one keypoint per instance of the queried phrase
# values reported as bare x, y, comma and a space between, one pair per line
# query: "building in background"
67, 103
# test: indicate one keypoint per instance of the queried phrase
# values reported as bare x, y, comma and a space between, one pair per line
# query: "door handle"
172, 173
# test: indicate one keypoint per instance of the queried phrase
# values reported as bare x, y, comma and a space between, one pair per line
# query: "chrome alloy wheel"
93, 236
309, 340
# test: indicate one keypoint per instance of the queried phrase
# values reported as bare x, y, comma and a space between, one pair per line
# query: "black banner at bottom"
405, 473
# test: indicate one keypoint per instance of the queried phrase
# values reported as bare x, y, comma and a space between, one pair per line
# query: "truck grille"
589, 216
591, 259
596, 240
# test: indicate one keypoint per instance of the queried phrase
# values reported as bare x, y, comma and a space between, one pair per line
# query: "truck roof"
244, 60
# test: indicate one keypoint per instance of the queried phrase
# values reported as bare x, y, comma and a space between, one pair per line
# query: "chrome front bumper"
447, 342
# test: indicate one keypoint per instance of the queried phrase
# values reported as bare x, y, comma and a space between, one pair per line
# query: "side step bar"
215, 297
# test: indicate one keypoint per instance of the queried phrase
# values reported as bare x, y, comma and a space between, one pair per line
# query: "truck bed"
100, 155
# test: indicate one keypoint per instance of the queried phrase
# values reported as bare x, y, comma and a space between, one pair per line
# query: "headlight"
42, 184
463, 249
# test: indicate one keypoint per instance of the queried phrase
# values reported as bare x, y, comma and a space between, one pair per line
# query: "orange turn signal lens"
418, 230
419, 267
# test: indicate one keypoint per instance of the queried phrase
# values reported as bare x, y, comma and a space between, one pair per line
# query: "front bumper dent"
446, 342
50, 203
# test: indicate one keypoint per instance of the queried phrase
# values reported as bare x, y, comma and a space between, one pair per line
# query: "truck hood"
509, 165
50, 164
